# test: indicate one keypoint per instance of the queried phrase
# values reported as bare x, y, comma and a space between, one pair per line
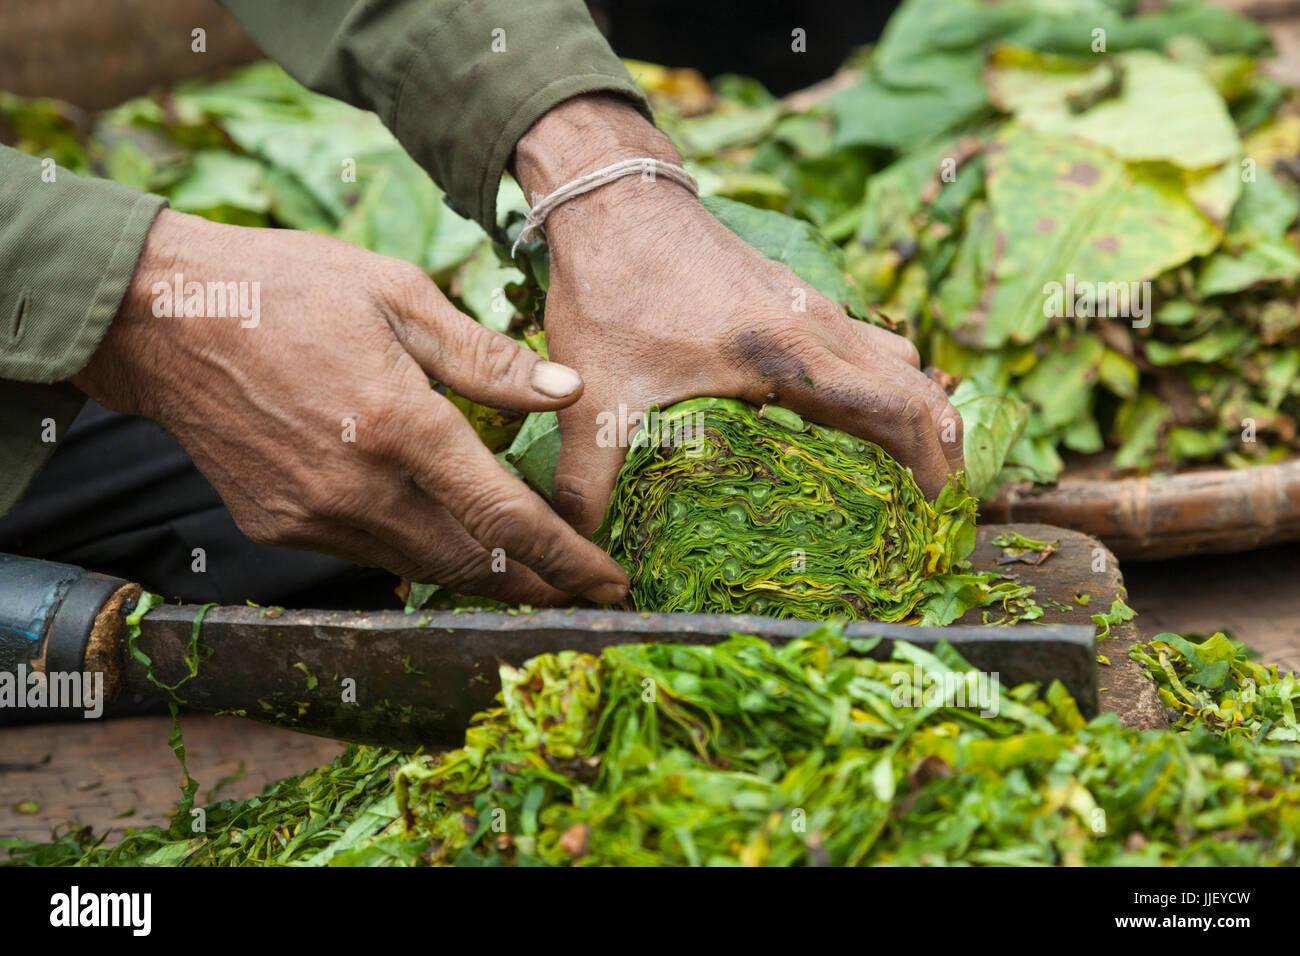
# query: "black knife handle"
60, 618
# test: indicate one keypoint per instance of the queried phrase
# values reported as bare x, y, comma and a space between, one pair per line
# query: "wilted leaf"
1066, 213
536, 450
1162, 110
480, 284
992, 421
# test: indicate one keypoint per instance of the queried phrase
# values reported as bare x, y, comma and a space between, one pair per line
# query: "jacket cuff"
68, 249
485, 100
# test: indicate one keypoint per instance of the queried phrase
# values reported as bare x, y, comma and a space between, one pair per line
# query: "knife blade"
416, 680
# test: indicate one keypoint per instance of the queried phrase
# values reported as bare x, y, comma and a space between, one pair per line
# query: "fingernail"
555, 381
608, 593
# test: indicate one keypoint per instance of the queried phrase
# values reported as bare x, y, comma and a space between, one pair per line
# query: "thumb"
486, 366
587, 469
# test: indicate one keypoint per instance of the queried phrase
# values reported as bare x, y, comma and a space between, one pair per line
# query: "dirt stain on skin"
1085, 174
758, 349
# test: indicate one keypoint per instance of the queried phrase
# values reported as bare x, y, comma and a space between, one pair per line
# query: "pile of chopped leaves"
997, 180
725, 508
812, 753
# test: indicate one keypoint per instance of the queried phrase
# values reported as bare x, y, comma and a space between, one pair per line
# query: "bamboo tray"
1199, 512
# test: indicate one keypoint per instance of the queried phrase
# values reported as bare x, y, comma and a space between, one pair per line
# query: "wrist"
580, 136
136, 335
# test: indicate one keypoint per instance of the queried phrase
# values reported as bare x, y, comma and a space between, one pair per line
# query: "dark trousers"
122, 497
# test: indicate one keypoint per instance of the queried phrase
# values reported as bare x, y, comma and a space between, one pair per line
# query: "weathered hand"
653, 301
314, 419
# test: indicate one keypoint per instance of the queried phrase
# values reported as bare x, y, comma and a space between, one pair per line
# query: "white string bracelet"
585, 184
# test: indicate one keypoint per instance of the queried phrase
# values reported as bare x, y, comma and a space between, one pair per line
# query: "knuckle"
824, 309
496, 357
334, 503
442, 426
404, 288
472, 574
260, 532
384, 437
277, 523
500, 520
945, 414
958, 429
569, 497
906, 410
910, 353
402, 278
909, 421
384, 426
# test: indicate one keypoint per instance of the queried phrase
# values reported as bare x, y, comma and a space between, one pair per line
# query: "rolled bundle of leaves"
727, 508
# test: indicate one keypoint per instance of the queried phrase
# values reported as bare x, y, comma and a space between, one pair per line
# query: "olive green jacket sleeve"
68, 247
457, 81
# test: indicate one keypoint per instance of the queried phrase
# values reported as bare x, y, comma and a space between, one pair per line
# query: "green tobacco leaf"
1016, 541
1162, 110
536, 450
480, 284
888, 764
1034, 459
992, 421
1061, 384
1119, 613
1066, 216
1118, 374
1193, 444
726, 128
871, 113
1216, 344
1138, 424
294, 205
1265, 210
1256, 249
125, 162
795, 243
395, 213
332, 148
44, 127
217, 180
1265, 260
495, 428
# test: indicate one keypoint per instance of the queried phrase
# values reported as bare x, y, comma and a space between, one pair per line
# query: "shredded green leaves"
1216, 683
812, 753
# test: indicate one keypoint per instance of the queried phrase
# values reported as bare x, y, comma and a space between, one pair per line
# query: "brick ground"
91, 771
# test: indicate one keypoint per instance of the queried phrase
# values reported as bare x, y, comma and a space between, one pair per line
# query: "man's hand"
317, 425
654, 301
